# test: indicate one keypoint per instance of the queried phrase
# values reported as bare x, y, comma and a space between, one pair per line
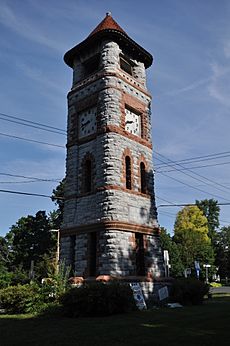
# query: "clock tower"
110, 227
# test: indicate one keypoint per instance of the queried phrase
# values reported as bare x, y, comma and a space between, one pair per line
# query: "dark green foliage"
167, 243
17, 299
188, 291
98, 299
223, 252
31, 239
5, 278
29, 298
211, 210
58, 198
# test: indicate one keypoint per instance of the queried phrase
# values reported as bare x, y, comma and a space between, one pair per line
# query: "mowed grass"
208, 324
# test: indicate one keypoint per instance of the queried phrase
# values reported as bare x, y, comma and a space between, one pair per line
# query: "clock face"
87, 122
132, 122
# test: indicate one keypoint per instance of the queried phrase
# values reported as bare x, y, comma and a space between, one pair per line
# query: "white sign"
197, 265
138, 295
166, 256
163, 293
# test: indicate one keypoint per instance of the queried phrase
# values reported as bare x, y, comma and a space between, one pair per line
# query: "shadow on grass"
196, 325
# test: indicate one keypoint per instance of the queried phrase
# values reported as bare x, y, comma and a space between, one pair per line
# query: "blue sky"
189, 81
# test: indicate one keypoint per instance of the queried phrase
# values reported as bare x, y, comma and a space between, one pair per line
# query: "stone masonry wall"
111, 90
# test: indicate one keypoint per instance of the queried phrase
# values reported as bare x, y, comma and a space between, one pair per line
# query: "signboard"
166, 256
163, 293
138, 295
187, 272
197, 265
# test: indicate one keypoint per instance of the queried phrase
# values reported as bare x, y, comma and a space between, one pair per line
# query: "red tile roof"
107, 23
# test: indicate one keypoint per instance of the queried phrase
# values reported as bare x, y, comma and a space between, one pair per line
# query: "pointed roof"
109, 29
107, 23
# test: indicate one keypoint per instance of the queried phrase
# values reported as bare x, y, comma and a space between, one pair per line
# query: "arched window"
143, 177
88, 175
128, 175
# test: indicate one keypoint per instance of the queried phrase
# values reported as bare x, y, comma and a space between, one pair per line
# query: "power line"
33, 124
193, 187
22, 182
186, 205
31, 140
28, 177
194, 167
197, 158
204, 179
30, 194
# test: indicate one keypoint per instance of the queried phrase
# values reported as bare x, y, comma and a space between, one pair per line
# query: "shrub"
29, 298
188, 291
18, 299
98, 299
5, 279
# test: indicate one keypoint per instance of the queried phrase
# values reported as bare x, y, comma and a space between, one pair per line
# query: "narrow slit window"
143, 177
140, 254
88, 175
128, 174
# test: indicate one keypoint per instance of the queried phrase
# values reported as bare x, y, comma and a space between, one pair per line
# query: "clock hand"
83, 125
128, 122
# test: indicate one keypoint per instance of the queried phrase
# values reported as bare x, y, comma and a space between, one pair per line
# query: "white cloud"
38, 76
219, 87
26, 28
192, 86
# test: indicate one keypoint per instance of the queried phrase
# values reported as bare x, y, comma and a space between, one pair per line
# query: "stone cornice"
111, 129
107, 188
100, 74
109, 225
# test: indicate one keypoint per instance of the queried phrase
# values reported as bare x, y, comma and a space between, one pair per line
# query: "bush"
29, 298
17, 299
5, 279
98, 299
188, 291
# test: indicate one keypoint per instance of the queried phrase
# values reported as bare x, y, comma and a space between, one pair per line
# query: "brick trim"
87, 81
127, 153
139, 161
108, 129
107, 225
82, 173
129, 101
106, 188
76, 280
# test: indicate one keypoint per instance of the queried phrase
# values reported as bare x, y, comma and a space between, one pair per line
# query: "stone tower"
110, 221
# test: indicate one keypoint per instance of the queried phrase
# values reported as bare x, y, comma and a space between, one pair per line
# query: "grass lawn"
208, 324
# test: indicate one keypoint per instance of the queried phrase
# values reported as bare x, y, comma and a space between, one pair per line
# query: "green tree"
29, 240
223, 252
167, 243
4, 253
191, 235
211, 210
58, 198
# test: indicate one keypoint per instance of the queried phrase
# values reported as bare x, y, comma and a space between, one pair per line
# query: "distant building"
110, 223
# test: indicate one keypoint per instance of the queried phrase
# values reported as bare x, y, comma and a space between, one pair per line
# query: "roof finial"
108, 14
